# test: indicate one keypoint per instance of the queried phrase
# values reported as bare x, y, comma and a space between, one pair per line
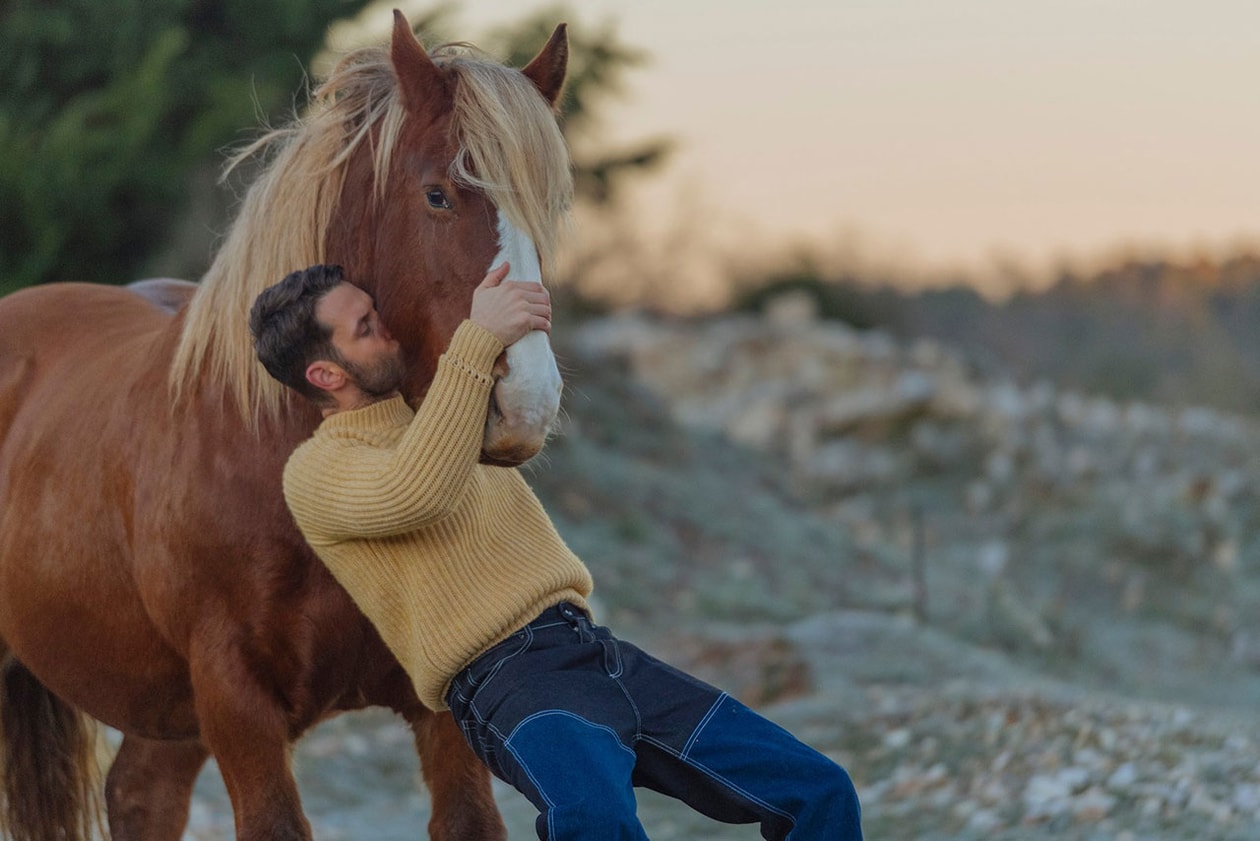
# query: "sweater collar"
383, 414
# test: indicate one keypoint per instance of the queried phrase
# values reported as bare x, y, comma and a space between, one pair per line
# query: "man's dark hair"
287, 336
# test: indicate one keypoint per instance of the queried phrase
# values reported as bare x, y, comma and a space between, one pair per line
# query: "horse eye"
437, 199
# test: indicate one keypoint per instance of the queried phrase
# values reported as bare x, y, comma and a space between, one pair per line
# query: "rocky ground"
943, 741
1011, 611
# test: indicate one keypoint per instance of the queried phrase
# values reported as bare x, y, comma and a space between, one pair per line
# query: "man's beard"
380, 379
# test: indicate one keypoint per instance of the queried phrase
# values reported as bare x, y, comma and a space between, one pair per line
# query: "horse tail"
51, 778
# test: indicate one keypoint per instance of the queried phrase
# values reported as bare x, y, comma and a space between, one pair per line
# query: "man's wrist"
476, 346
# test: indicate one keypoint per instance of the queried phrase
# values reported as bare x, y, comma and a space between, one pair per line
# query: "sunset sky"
942, 134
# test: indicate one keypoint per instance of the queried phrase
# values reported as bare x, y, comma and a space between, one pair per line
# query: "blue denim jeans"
575, 718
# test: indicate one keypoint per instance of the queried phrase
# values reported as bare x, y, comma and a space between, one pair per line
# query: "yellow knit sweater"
444, 555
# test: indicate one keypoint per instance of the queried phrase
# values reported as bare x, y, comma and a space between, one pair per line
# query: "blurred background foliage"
109, 106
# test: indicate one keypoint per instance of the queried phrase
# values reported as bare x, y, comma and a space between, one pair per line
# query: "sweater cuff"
475, 347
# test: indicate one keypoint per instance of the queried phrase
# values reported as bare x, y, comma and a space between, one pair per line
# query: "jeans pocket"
485, 667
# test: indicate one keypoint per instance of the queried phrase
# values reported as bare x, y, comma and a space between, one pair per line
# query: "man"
463, 574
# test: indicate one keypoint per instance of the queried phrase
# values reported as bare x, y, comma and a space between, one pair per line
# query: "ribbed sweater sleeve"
339, 489
444, 555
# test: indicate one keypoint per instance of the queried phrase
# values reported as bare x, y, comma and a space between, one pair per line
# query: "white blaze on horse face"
528, 396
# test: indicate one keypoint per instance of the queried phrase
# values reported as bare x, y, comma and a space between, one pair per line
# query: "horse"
151, 577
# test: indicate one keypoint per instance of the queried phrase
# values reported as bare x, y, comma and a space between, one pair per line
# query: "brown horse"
150, 574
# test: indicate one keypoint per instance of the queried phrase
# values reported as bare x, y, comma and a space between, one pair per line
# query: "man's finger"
496, 275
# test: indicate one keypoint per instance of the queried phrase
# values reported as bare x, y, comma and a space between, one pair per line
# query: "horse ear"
547, 69
418, 77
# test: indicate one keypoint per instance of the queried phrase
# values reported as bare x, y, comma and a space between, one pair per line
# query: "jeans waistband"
562, 614
565, 612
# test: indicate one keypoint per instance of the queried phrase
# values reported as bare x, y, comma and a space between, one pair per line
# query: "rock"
791, 309
1092, 805
1123, 777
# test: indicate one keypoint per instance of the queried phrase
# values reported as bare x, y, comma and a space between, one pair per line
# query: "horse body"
65, 436
150, 573
123, 593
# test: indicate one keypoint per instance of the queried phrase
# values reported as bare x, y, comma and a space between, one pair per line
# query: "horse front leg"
459, 783
246, 730
149, 788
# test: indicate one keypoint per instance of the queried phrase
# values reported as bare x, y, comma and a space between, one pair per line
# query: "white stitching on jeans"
525, 643
565, 714
619, 667
507, 743
715, 776
695, 734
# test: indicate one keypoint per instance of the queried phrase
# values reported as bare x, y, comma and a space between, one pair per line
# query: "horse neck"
207, 397
357, 214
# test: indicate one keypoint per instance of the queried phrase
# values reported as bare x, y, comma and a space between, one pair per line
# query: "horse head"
416, 173
478, 173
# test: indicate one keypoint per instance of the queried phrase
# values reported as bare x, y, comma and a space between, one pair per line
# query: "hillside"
1156, 330
1011, 611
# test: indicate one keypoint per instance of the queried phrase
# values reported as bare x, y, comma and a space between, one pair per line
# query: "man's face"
369, 354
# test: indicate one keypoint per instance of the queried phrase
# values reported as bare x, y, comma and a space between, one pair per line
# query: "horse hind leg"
149, 788
245, 728
51, 776
458, 782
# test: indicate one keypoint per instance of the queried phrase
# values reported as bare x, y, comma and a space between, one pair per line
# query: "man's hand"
510, 310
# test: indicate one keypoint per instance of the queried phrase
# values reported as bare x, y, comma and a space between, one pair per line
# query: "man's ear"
325, 375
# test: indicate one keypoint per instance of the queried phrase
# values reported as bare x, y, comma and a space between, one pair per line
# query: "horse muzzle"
524, 402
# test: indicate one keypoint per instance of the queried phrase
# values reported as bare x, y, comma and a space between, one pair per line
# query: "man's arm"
342, 487
339, 486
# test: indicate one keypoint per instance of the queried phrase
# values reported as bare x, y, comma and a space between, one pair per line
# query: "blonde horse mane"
510, 147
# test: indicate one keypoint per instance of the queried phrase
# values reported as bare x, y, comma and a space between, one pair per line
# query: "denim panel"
794, 788
579, 773
549, 675
671, 703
